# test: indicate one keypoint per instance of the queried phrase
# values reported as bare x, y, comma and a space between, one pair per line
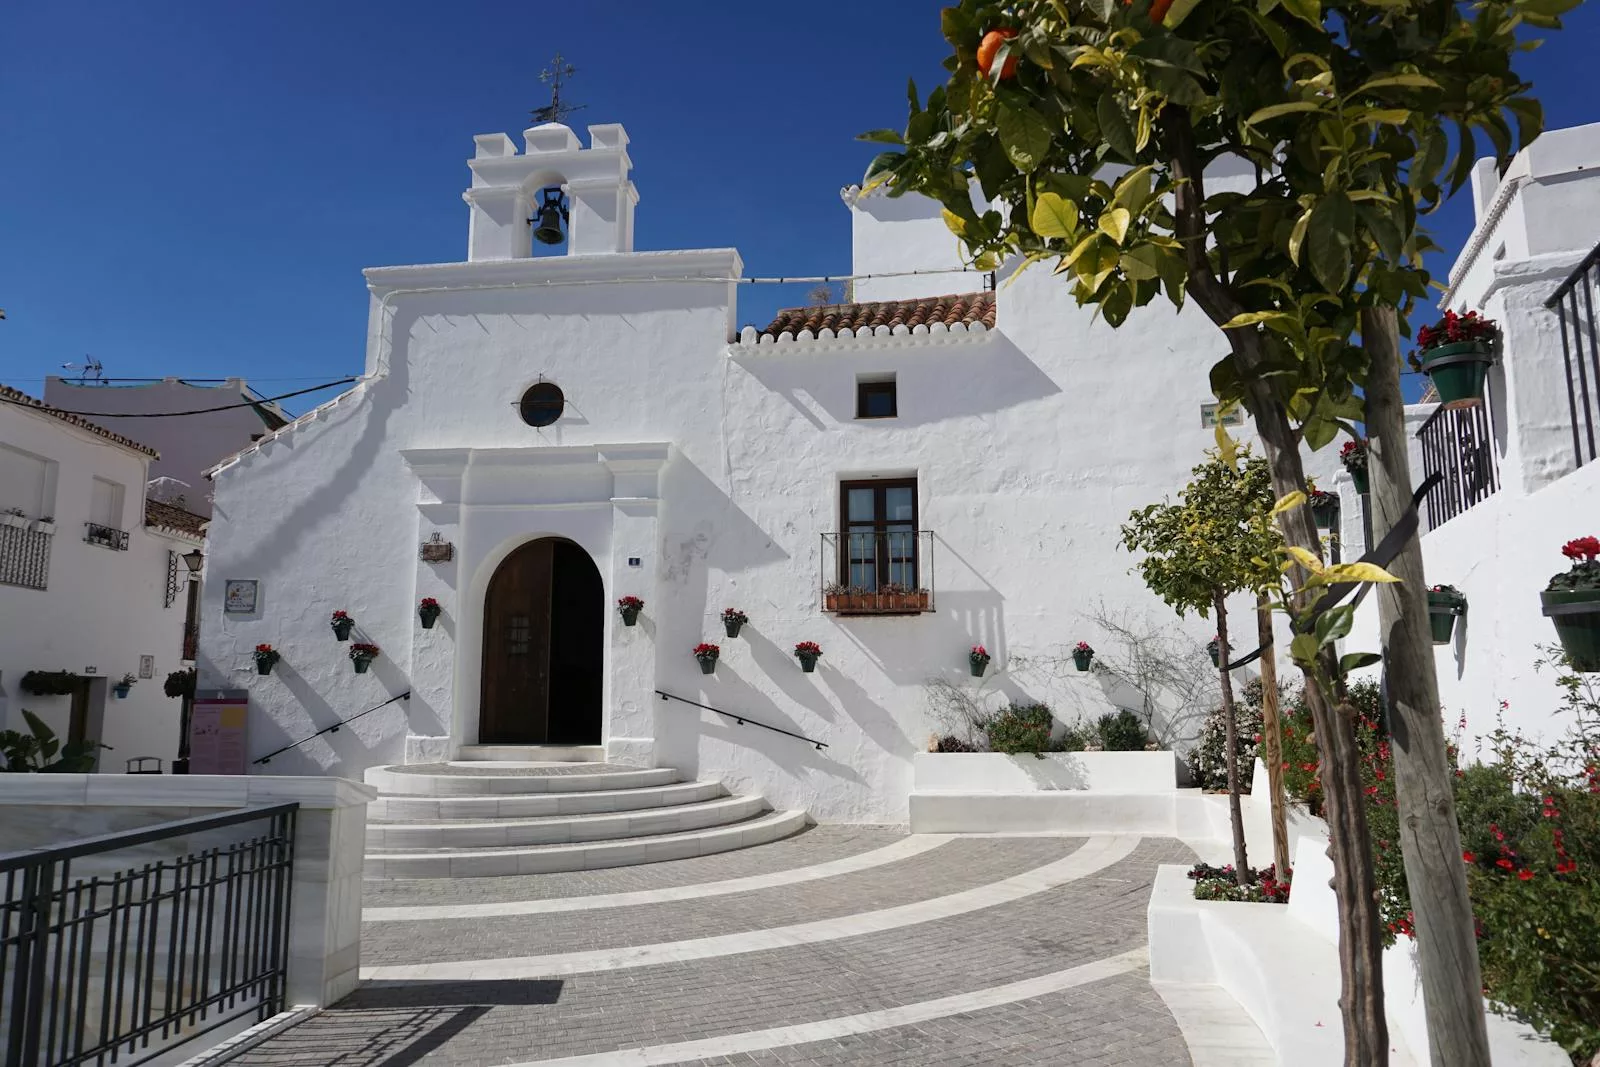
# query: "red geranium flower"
1525, 875
1581, 548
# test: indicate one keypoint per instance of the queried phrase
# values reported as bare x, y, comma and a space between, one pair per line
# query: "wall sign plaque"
239, 596
437, 550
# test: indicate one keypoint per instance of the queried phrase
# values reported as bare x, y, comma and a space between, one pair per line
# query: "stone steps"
486, 816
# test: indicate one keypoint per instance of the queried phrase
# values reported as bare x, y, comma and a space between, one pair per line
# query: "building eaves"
23, 400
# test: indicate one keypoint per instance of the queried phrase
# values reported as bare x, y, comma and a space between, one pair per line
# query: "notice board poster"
216, 731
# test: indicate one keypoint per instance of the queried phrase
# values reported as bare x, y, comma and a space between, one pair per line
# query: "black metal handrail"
125, 966
1583, 374
743, 720
1458, 445
332, 729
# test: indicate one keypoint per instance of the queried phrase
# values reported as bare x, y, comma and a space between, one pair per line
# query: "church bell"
552, 212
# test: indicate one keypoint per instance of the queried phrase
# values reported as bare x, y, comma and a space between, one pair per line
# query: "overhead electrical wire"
29, 403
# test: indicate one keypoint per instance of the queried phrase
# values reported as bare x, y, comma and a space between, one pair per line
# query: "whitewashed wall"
102, 609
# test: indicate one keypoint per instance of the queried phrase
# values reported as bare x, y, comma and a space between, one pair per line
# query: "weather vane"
555, 76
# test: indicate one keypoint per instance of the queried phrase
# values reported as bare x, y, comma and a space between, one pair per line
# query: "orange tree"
1088, 127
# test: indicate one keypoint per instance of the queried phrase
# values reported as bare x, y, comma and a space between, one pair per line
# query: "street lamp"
194, 559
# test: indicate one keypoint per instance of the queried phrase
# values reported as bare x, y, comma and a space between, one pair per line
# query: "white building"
91, 581
1519, 473
985, 448
232, 415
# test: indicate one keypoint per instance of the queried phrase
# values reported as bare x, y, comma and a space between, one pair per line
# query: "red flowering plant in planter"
978, 659
1456, 353
629, 607
342, 624
707, 654
1218, 883
266, 657
362, 654
1082, 655
429, 612
807, 652
732, 620
1353, 455
1572, 602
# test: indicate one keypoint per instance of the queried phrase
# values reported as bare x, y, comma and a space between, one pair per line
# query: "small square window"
875, 399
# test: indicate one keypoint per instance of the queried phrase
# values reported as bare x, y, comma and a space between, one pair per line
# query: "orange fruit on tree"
1158, 10
987, 49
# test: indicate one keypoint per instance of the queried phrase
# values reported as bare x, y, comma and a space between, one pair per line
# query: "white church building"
939, 464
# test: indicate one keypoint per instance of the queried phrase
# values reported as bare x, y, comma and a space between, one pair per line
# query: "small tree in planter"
1572, 602
362, 654
266, 658
978, 660
732, 620
707, 654
1456, 353
807, 652
1445, 602
342, 624
429, 611
1082, 655
124, 686
629, 607
1353, 454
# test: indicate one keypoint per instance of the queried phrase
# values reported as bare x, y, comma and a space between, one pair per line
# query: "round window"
542, 404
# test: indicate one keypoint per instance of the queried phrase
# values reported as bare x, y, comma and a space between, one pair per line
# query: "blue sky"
193, 189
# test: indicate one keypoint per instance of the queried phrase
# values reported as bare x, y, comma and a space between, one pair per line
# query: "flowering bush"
1208, 760
731, 615
1353, 454
706, 651
362, 650
1453, 329
1585, 570
949, 743
1219, 883
807, 648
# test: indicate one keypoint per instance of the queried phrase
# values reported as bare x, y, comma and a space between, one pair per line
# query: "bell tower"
586, 194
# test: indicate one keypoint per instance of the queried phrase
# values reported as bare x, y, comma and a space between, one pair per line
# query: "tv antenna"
87, 372
556, 76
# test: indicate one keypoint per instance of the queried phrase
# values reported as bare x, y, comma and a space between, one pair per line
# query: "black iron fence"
105, 536
126, 963
1458, 444
877, 572
1573, 303
24, 557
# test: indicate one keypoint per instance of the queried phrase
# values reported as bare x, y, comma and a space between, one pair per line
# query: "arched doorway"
543, 648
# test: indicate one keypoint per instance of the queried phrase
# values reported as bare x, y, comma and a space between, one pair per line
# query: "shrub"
1075, 739
1208, 763
1219, 883
1122, 732
1021, 728
949, 743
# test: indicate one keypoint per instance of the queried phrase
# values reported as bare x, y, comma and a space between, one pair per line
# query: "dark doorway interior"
544, 624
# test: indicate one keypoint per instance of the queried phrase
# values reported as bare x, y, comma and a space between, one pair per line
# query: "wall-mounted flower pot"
1081, 660
708, 665
808, 663
361, 665
630, 616
342, 628
429, 616
1576, 615
122, 691
731, 627
1360, 480
264, 666
1324, 512
1216, 655
978, 666
1442, 611
1458, 371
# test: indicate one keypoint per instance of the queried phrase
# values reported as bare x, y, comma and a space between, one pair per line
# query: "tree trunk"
1366, 1029
1452, 987
1230, 721
1272, 737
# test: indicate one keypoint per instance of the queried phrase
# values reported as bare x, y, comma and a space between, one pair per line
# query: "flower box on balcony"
885, 601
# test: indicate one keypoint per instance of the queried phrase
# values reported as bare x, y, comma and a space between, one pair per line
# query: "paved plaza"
841, 945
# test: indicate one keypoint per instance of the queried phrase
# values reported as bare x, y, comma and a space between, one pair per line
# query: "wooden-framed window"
876, 398
878, 521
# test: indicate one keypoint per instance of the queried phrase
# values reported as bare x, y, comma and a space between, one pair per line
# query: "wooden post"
1447, 946
1272, 736
1230, 741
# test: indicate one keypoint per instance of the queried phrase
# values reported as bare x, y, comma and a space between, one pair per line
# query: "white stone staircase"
501, 810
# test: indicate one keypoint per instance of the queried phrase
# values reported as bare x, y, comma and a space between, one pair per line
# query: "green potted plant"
125, 686
36, 750
807, 652
266, 658
428, 611
1354, 457
180, 684
1324, 507
1456, 353
732, 620
1445, 602
342, 624
362, 654
1082, 655
707, 655
50, 683
629, 607
1214, 649
1572, 602
978, 660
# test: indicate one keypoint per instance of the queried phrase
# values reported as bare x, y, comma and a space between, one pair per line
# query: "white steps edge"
533, 805
564, 829
532, 753
437, 785
545, 859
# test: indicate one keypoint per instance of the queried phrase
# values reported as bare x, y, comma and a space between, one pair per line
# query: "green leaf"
1328, 242
1406, 81
1142, 262
1356, 660
1303, 648
1251, 318
1297, 236
1319, 431
1309, 10
1358, 572
1275, 110
1431, 152
1335, 623
1530, 119
1053, 216
882, 136
1114, 223
1024, 134
1274, 33
1115, 128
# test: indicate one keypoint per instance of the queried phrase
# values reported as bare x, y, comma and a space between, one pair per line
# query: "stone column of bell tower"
507, 190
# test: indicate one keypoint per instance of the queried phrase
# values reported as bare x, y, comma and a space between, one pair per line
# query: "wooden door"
515, 707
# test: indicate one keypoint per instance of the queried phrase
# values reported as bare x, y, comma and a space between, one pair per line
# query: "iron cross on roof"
555, 76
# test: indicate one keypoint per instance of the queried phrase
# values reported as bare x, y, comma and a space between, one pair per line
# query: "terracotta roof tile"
967, 308
160, 513
21, 399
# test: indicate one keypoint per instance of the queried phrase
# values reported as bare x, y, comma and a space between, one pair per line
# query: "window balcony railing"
1458, 444
1573, 303
24, 556
105, 536
877, 572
